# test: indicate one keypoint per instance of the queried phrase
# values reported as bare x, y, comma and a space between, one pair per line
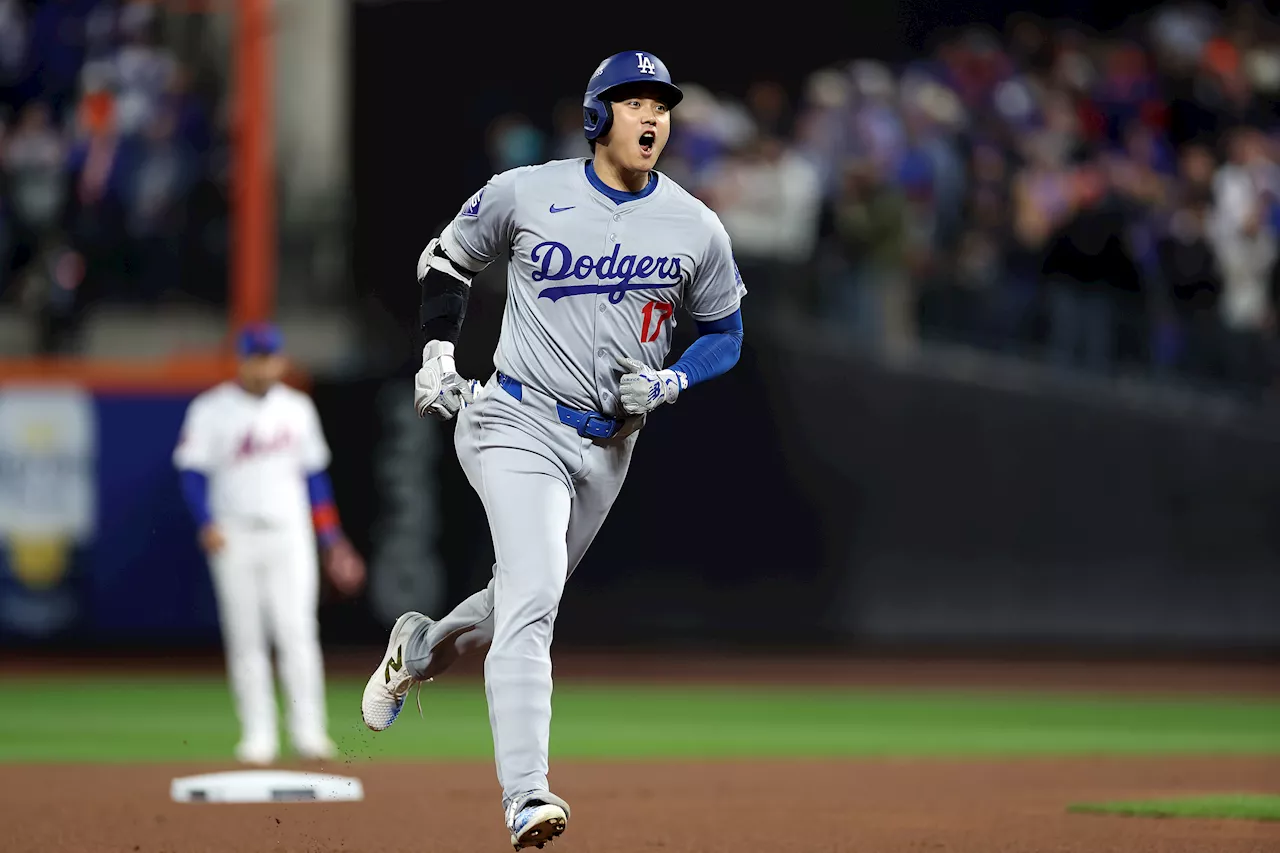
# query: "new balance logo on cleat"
394, 663
389, 684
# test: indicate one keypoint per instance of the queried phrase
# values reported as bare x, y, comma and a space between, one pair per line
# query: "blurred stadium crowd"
113, 162
1101, 202
1104, 202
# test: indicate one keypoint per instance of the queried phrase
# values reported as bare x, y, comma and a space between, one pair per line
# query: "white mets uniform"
590, 279
257, 453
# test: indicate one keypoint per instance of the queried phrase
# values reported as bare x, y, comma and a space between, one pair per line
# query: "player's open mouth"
647, 141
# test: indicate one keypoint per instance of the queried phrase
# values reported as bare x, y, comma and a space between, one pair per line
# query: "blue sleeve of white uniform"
716, 350
324, 510
320, 488
195, 491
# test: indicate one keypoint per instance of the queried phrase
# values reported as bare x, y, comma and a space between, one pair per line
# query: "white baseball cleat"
385, 692
536, 820
316, 749
256, 752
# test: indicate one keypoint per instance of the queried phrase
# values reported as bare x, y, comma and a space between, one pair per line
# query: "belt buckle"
610, 426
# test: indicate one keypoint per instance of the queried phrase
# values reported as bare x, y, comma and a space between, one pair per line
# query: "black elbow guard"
445, 287
444, 306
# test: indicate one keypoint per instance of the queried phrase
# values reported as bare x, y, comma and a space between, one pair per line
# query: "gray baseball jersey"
590, 280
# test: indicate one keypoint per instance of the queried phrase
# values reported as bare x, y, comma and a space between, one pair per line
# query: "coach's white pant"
267, 583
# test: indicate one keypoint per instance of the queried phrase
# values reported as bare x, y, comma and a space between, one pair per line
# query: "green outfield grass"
191, 719
1214, 807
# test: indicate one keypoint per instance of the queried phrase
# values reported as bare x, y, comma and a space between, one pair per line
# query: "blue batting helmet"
633, 66
259, 339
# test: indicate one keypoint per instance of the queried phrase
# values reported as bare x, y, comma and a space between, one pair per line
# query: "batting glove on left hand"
438, 390
645, 389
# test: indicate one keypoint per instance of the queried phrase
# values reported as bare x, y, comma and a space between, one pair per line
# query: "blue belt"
587, 424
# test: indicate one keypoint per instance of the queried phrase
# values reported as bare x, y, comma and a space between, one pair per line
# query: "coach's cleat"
316, 749
536, 820
385, 692
256, 753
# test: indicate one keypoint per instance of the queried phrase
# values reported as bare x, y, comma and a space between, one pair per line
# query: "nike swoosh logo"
555, 209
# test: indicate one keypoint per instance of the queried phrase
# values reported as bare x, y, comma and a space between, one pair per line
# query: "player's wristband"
324, 512
325, 520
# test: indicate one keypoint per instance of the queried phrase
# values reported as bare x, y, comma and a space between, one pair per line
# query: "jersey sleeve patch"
472, 207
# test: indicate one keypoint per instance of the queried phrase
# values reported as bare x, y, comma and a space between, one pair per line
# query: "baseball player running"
602, 252
252, 458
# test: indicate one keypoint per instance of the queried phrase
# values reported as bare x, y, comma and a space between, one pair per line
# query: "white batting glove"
438, 390
645, 389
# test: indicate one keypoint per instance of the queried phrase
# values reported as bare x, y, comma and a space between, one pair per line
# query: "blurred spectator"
979, 304
1138, 172
1087, 271
191, 115
768, 198
824, 128
708, 132
97, 178
32, 160
1041, 203
1189, 269
159, 186
929, 116
871, 294
986, 261
1049, 191
878, 123
142, 71
1196, 168
111, 187
1244, 240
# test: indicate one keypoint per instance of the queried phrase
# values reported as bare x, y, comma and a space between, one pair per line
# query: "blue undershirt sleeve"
195, 491
716, 350
320, 488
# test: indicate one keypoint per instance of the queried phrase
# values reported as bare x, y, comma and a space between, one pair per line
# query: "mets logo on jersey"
252, 446
615, 274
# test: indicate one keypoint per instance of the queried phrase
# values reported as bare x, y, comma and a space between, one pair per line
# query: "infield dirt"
872, 806
869, 806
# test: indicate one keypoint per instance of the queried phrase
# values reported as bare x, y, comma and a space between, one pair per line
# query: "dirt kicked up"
876, 806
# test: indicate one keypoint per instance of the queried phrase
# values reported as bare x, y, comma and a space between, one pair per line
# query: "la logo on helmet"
645, 64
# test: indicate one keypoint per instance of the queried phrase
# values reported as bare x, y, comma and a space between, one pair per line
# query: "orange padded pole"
253, 248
